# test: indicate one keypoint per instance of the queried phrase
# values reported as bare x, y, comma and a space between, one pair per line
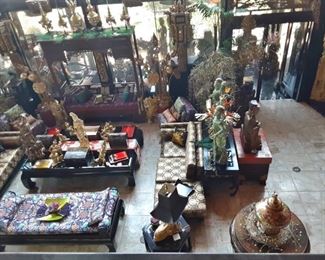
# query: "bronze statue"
58, 111
56, 153
34, 149
92, 16
249, 135
76, 21
162, 37
101, 160
151, 107
106, 130
79, 128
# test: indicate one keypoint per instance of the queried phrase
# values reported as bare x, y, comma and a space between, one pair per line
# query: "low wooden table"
242, 242
168, 245
253, 166
229, 171
127, 168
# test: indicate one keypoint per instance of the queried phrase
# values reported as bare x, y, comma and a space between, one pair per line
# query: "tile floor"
296, 136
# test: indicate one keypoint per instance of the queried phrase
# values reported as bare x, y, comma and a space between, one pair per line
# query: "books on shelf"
118, 157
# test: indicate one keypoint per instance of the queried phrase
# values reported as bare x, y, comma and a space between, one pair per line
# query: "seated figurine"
250, 139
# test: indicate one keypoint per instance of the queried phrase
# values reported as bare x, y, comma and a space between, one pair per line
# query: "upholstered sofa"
181, 111
183, 163
91, 218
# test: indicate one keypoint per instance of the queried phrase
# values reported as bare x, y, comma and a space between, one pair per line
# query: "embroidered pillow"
174, 112
9, 205
169, 117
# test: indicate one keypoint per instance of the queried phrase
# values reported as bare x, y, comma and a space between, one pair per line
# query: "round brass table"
242, 242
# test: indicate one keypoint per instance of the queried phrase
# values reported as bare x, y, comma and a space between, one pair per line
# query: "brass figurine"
165, 230
92, 16
101, 160
151, 107
110, 18
34, 149
79, 129
249, 135
125, 16
62, 22
106, 130
45, 22
56, 153
75, 19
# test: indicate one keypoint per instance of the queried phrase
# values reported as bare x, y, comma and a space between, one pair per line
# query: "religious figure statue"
218, 132
247, 50
151, 107
92, 16
76, 21
101, 160
106, 130
79, 129
56, 153
249, 135
58, 111
162, 37
215, 96
34, 149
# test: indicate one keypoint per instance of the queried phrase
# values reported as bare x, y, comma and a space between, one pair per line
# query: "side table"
229, 171
168, 245
242, 241
253, 166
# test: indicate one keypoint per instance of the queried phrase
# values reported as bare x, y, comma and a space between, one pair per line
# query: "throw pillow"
9, 205
13, 113
179, 105
169, 117
179, 138
175, 113
4, 124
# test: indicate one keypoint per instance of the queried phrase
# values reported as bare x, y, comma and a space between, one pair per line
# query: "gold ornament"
62, 22
79, 129
45, 22
56, 153
106, 130
75, 19
151, 107
109, 18
92, 16
125, 16
101, 160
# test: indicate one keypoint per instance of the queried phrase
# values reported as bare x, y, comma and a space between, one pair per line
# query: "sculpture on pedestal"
34, 149
79, 129
249, 135
218, 132
75, 19
56, 153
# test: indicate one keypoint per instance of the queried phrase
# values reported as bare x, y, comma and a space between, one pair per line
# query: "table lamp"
172, 200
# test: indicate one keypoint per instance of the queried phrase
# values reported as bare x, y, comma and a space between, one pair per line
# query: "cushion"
171, 169
169, 149
175, 113
9, 205
169, 117
196, 206
13, 113
179, 105
87, 208
4, 124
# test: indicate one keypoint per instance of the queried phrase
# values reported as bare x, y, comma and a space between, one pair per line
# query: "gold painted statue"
165, 230
101, 160
92, 16
45, 22
58, 111
106, 130
75, 19
151, 107
56, 153
79, 129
